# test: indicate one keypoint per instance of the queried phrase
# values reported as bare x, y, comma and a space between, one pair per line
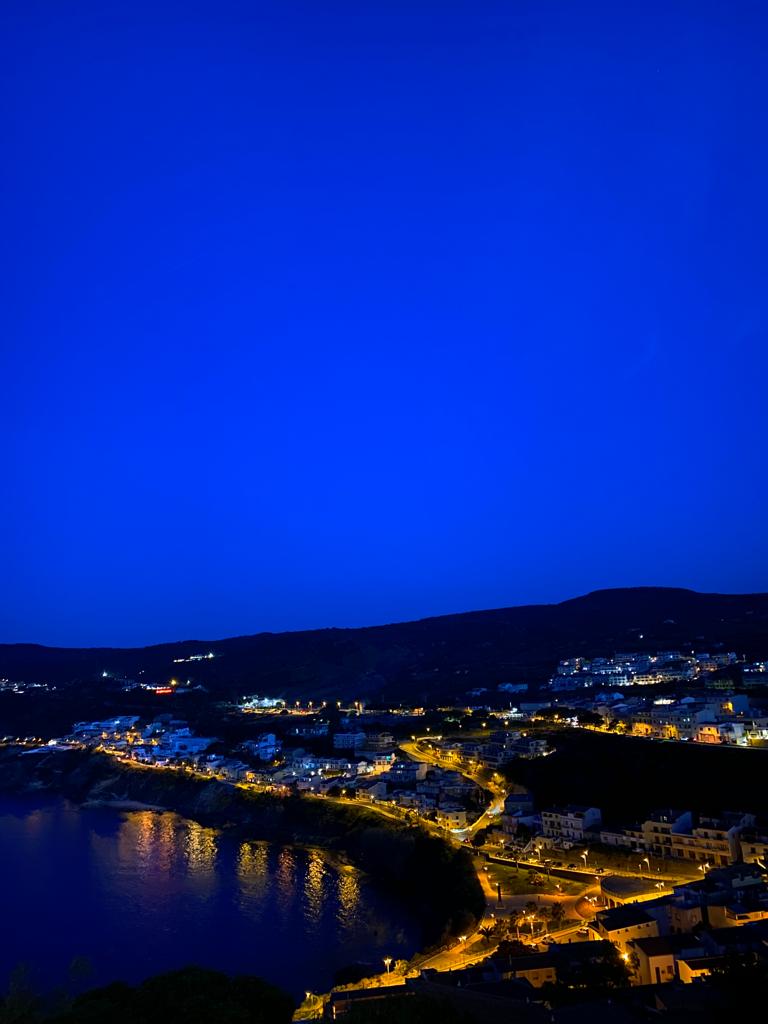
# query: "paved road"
574, 905
418, 752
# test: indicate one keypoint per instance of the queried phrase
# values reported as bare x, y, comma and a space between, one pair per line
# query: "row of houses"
431, 791
661, 952
320, 773
357, 739
685, 934
169, 742
501, 747
726, 720
657, 959
380, 778
639, 668
714, 718
159, 741
683, 835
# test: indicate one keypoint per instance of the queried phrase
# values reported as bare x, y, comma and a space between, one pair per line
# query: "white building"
573, 823
349, 740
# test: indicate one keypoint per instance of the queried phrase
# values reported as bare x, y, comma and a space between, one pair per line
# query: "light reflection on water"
285, 880
314, 888
143, 892
253, 877
348, 892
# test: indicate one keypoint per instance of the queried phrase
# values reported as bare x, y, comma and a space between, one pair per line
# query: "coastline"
123, 805
435, 882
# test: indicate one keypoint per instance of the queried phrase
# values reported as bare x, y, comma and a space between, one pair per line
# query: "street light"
584, 857
387, 962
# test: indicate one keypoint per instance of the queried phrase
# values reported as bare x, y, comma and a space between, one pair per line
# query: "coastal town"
570, 890
452, 785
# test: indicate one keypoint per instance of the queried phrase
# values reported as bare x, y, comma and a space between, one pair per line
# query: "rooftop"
623, 917
661, 945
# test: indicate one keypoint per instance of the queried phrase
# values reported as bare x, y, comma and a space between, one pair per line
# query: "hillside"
427, 660
628, 778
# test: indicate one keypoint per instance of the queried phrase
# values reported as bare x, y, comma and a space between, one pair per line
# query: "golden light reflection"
285, 879
348, 889
165, 851
143, 848
314, 895
253, 877
253, 863
149, 838
200, 849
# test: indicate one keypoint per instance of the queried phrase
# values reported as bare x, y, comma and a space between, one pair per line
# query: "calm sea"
138, 893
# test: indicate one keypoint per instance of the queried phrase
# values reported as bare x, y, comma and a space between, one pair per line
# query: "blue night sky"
343, 313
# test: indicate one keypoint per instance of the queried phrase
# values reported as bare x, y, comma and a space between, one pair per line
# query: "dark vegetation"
189, 996
628, 777
604, 969
435, 881
432, 660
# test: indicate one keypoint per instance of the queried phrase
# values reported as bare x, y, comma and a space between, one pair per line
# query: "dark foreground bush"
189, 996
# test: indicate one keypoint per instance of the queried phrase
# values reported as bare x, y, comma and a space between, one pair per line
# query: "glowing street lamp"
387, 962
584, 857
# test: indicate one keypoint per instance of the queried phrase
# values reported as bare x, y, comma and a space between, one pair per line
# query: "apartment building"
658, 829
711, 842
623, 925
753, 847
349, 740
574, 823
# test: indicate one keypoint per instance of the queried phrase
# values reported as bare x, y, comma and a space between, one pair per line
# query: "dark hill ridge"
430, 659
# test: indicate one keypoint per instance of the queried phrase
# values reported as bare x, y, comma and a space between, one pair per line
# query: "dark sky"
341, 313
